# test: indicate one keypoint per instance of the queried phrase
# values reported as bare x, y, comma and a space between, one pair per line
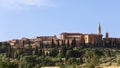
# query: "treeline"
64, 56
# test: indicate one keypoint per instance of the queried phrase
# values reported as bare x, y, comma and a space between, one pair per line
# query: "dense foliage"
64, 56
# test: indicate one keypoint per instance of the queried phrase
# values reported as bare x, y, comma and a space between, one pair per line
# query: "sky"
30, 18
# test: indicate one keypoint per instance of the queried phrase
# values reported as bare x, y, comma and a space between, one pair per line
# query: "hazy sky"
30, 18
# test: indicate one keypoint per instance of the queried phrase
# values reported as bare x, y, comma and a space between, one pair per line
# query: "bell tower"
99, 28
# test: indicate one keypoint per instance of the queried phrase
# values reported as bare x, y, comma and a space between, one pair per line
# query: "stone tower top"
99, 28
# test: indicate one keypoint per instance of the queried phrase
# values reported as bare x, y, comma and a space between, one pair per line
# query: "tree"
58, 44
28, 50
63, 50
68, 54
91, 59
108, 43
71, 61
8, 65
68, 43
36, 50
48, 62
9, 50
63, 42
40, 44
60, 55
53, 52
73, 44
40, 52
107, 53
28, 62
3, 47
52, 44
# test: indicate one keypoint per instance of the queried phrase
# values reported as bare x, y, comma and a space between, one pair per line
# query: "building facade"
69, 37
65, 39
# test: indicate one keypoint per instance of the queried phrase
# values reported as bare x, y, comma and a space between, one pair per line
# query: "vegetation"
65, 56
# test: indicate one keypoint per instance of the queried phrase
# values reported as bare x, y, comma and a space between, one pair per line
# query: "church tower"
99, 29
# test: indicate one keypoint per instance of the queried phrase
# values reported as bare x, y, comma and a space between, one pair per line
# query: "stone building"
69, 37
45, 41
79, 37
15, 43
92, 38
111, 41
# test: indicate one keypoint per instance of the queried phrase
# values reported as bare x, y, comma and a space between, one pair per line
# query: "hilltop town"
70, 50
70, 39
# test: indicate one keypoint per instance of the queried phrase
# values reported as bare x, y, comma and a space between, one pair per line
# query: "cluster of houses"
65, 39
